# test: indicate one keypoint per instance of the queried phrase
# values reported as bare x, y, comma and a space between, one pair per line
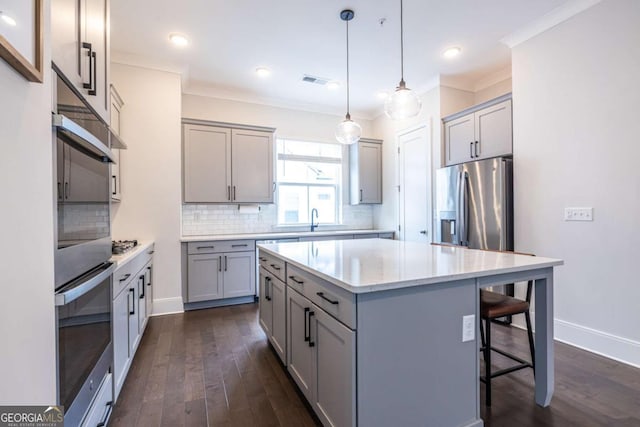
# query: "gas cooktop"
121, 246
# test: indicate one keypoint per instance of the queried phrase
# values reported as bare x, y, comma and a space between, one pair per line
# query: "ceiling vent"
314, 79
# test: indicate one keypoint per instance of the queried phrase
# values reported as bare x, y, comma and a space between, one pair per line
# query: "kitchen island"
372, 330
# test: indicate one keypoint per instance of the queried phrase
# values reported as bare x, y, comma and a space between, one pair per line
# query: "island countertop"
361, 266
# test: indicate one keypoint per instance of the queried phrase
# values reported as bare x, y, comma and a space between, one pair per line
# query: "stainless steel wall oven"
83, 273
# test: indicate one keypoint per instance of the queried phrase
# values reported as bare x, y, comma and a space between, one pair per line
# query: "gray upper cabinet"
116, 105
365, 172
80, 48
226, 164
481, 132
207, 164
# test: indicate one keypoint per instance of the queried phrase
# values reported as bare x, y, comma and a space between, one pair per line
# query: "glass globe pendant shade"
403, 103
348, 131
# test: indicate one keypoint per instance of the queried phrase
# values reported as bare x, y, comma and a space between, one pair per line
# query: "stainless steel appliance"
82, 157
83, 273
474, 206
119, 247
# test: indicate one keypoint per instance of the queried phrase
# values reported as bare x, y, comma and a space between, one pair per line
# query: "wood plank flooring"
215, 368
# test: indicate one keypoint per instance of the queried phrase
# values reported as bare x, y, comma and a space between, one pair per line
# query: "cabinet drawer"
220, 246
332, 299
100, 411
273, 265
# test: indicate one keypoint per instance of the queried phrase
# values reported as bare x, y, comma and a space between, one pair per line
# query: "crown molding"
547, 21
140, 61
493, 78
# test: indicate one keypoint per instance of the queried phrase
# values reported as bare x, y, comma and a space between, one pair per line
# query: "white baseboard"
164, 306
607, 345
617, 348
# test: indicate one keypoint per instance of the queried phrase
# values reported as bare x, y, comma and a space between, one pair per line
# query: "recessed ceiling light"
263, 72
8, 20
382, 95
333, 85
452, 52
178, 39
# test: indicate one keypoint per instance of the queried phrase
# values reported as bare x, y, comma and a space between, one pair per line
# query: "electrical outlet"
578, 214
468, 328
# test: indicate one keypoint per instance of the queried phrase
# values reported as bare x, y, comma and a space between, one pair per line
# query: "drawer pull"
103, 423
263, 259
244, 245
275, 267
321, 295
151, 252
299, 282
205, 247
126, 276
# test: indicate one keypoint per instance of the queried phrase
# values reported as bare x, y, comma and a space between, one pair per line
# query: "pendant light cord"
348, 113
401, 43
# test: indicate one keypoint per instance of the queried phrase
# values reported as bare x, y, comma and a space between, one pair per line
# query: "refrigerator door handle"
463, 209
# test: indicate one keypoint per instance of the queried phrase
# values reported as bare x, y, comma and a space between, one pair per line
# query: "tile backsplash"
227, 219
83, 221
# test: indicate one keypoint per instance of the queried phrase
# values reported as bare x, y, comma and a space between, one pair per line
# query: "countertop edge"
386, 286
123, 259
278, 235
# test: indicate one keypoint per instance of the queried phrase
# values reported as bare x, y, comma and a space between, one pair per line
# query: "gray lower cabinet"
322, 360
132, 305
220, 275
273, 311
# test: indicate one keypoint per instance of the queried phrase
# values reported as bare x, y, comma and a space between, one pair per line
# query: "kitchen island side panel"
412, 367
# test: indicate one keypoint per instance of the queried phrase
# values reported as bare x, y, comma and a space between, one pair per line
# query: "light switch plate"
578, 214
468, 328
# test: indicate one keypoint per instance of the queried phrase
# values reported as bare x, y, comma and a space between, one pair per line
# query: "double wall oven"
83, 273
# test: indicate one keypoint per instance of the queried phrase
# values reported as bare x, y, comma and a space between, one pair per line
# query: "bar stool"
493, 306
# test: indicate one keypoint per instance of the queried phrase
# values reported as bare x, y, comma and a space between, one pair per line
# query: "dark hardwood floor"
215, 367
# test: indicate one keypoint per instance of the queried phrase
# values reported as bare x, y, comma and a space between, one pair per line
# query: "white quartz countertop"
122, 259
362, 266
277, 235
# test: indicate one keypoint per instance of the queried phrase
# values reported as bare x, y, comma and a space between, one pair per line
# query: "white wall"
27, 316
576, 143
493, 91
151, 173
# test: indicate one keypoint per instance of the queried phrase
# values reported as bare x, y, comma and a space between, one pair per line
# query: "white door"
414, 166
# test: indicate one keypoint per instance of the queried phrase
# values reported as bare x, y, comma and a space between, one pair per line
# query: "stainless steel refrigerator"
474, 204
474, 207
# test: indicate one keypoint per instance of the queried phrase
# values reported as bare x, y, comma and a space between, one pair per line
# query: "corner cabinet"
227, 164
480, 132
365, 172
80, 48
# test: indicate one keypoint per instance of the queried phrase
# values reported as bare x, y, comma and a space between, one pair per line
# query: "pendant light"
348, 131
403, 103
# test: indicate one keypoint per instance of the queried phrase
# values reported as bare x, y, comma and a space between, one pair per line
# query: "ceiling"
229, 39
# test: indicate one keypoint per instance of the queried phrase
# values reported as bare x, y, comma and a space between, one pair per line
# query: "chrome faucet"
314, 226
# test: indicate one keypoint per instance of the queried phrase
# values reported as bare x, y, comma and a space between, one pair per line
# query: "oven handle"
83, 285
62, 122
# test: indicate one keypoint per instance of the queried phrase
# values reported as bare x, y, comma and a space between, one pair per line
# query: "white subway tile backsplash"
226, 219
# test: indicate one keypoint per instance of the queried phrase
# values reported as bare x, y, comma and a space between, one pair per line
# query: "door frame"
428, 134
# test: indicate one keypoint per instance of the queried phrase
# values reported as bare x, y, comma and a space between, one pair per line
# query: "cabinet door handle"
311, 343
275, 267
126, 276
267, 282
66, 190
239, 246
225, 263
141, 292
321, 295
228, 192
115, 183
93, 91
471, 149
476, 149
59, 191
133, 299
234, 192
88, 46
103, 423
360, 194
220, 263
307, 325
299, 282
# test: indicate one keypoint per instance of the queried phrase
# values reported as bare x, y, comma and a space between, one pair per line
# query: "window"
309, 175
